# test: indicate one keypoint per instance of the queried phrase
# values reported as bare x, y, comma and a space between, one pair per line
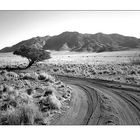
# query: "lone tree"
32, 53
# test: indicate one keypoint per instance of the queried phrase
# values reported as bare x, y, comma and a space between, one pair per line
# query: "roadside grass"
111, 72
29, 104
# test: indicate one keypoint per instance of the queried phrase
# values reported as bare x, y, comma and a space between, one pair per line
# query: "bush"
22, 115
49, 101
46, 77
54, 102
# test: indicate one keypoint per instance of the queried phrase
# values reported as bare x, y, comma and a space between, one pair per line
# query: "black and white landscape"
70, 77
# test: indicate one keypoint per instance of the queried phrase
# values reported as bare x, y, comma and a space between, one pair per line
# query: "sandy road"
99, 103
78, 108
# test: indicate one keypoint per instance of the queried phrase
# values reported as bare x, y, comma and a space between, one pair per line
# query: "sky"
16, 26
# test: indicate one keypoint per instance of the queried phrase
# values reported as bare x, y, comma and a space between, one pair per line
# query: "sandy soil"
78, 109
101, 105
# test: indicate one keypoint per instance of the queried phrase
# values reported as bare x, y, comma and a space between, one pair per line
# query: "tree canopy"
32, 53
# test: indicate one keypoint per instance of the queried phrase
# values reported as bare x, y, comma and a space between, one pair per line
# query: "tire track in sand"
96, 104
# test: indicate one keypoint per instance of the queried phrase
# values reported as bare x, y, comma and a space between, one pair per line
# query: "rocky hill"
74, 41
99, 42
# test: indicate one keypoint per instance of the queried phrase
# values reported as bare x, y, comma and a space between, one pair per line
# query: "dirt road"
96, 102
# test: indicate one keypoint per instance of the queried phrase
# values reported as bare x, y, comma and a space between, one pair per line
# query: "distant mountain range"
74, 41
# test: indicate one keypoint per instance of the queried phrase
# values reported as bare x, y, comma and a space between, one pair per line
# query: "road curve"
98, 102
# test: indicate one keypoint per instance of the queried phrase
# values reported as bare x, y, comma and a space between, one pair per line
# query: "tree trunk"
30, 64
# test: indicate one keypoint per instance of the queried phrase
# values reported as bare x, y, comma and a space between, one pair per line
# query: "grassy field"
118, 57
11, 60
121, 66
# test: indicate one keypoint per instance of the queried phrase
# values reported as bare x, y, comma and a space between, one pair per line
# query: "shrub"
46, 77
27, 114
133, 72
54, 102
49, 101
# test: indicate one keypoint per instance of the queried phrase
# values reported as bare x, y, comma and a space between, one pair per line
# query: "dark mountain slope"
99, 42
67, 38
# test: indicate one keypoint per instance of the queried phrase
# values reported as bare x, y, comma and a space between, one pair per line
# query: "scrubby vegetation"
135, 60
117, 66
35, 97
31, 98
125, 73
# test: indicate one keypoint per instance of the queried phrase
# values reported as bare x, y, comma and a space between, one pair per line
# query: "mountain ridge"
75, 41
38, 41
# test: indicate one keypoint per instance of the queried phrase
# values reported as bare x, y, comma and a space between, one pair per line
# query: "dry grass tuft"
45, 77
28, 104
